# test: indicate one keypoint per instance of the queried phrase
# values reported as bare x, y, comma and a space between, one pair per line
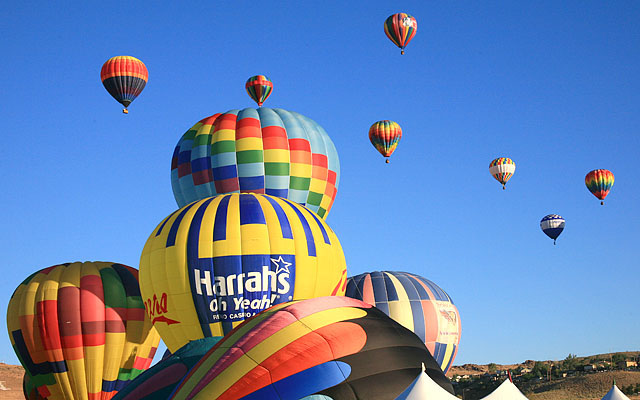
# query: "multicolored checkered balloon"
269, 151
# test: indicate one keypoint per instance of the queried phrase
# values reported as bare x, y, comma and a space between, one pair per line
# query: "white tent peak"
506, 391
615, 394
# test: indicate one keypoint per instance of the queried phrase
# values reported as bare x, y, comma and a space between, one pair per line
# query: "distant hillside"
551, 380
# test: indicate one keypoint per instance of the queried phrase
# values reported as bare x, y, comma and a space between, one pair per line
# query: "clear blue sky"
556, 87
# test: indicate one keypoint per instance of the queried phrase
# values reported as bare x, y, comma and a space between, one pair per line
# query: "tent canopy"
506, 391
615, 394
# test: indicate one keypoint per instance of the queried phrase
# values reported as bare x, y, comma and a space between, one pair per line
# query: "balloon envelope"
599, 182
400, 28
80, 329
159, 381
334, 346
502, 169
417, 304
552, 225
259, 88
212, 264
385, 136
271, 151
124, 77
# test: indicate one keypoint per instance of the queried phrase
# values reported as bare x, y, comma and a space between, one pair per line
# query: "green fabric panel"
114, 294
272, 168
190, 134
249, 156
202, 140
314, 198
299, 183
321, 212
224, 146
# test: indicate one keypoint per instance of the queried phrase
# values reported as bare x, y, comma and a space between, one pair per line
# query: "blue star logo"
281, 265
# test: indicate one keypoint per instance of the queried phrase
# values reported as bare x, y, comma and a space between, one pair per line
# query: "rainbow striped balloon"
502, 169
400, 28
80, 330
323, 348
417, 304
599, 182
216, 262
385, 136
270, 151
259, 88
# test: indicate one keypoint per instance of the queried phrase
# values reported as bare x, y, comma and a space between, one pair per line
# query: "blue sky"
553, 86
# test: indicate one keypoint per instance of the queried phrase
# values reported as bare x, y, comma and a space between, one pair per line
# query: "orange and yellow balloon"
80, 330
599, 182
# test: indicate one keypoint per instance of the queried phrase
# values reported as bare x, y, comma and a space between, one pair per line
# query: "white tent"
424, 388
506, 391
615, 394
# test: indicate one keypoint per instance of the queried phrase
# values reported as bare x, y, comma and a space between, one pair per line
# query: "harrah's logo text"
227, 294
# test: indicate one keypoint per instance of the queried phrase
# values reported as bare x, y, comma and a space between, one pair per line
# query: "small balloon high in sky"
400, 28
124, 77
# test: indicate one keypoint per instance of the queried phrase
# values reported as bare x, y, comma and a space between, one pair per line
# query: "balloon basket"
125, 111
602, 203
386, 161
401, 52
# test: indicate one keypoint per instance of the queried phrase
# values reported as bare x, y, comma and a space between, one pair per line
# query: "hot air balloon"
417, 304
324, 348
385, 136
259, 88
216, 262
502, 169
599, 182
80, 330
271, 151
124, 77
400, 28
159, 381
552, 225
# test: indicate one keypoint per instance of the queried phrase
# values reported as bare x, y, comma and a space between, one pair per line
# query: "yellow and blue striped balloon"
215, 262
417, 304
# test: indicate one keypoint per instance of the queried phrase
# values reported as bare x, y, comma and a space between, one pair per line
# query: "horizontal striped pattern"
502, 169
124, 77
265, 151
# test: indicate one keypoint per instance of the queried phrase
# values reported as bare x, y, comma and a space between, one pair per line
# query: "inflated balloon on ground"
330, 347
417, 304
80, 329
212, 264
270, 151
159, 381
